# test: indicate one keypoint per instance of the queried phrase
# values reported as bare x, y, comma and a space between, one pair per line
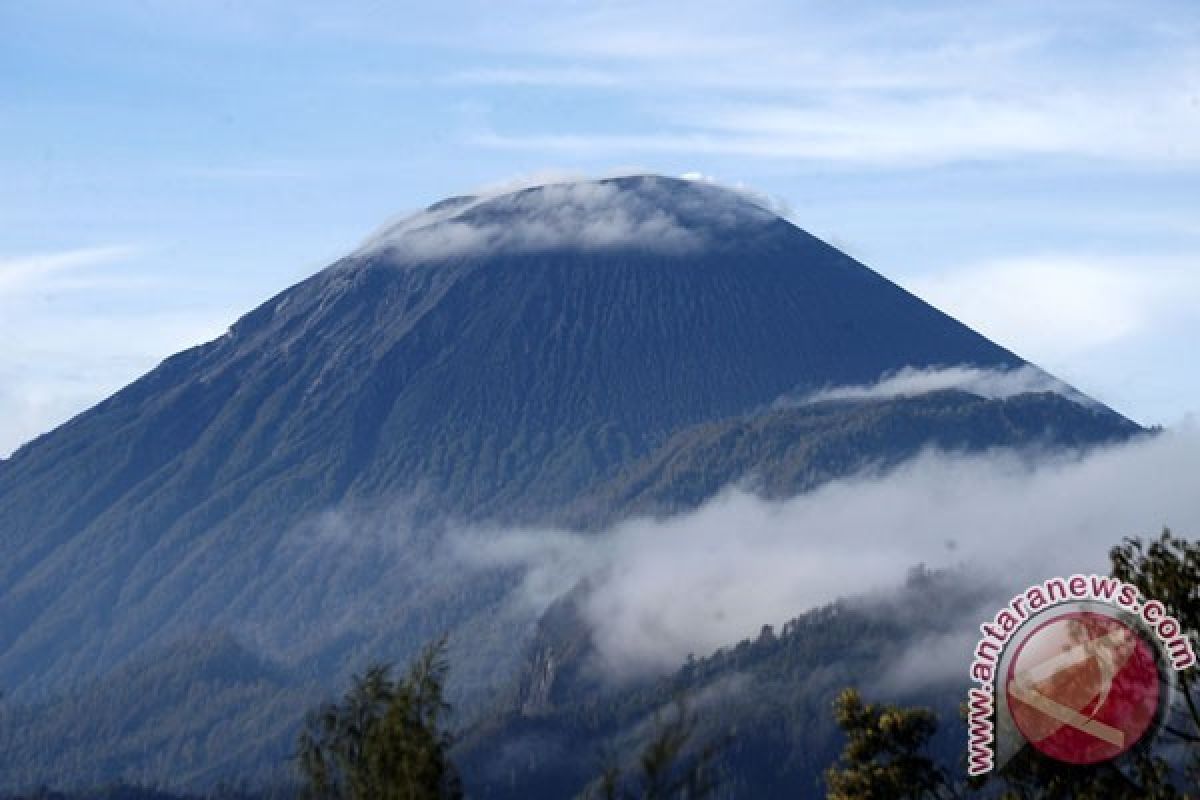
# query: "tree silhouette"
883, 754
384, 740
669, 767
883, 757
1167, 569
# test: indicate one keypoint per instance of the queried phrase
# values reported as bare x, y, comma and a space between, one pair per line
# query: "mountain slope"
497, 374
786, 451
508, 359
771, 697
193, 711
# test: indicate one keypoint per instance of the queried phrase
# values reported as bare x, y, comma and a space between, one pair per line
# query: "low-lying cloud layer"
651, 591
694, 583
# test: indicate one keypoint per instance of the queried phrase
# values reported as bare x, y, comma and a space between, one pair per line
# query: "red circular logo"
1083, 687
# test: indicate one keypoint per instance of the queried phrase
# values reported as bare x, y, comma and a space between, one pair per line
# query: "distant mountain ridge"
783, 452
584, 350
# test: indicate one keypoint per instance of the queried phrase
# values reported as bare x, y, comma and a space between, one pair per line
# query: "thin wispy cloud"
55, 363
920, 87
31, 273
62, 350
1117, 327
921, 133
910, 381
1061, 305
930, 130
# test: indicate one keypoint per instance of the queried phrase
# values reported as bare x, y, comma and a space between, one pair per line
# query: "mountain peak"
646, 212
587, 350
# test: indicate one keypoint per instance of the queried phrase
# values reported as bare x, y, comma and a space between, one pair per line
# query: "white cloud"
582, 214
60, 352
19, 274
62, 362
939, 659
989, 383
922, 130
696, 582
930, 86
1054, 307
1118, 328
776, 205
938, 127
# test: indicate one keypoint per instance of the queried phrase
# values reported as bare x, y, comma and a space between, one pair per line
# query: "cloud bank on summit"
627, 211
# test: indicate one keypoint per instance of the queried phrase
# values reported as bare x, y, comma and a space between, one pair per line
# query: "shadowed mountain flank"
579, 351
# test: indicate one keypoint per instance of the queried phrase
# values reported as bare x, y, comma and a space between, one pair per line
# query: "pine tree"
670, 766
883, 757
1167, 569
883, 754
385, 740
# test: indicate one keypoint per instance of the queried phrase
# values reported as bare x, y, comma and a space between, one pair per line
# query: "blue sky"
1032, 168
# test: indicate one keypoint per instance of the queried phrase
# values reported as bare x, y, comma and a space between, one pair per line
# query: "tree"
1029, 776
406, 753
385, 740
667, 770
883, 757
1168, 570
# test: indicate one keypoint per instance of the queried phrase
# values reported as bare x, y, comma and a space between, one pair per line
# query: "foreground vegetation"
384, 740
885, 753
388, 737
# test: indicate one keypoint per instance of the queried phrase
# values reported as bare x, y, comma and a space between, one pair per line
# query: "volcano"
500, 359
